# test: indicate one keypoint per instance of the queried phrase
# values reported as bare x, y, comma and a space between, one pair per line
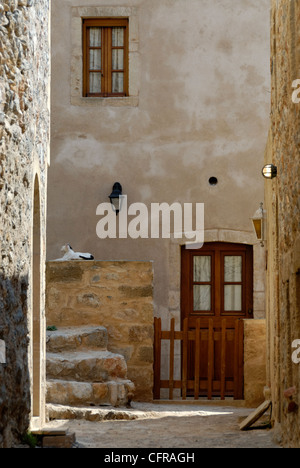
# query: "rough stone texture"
71, 339
24, 139
283, 211
79, 394
116, 295
81, 372
59, 412
86, 366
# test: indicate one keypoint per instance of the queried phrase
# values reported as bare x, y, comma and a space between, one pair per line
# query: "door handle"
250, 311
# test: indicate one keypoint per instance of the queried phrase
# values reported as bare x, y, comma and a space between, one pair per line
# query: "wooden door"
217, 284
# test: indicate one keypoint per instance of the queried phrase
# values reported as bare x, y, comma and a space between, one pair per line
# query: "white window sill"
130, 101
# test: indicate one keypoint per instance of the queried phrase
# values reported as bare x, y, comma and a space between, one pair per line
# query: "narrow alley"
161, 140
170, 426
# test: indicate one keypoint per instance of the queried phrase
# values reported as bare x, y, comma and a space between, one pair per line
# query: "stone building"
170, 98
282, 206
24, 159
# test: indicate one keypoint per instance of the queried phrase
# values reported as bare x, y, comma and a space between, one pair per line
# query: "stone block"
63, 392
140, 333
126, 351
138, 291
70, 339
92, 366
59, 441
89, 299
64, 272
254, 361
142, 376
146, 354
100, 391
73, 393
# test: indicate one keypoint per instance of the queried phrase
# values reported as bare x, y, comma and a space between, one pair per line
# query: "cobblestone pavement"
172, 426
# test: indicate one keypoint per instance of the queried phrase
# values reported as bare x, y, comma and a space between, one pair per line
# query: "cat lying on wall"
69, 254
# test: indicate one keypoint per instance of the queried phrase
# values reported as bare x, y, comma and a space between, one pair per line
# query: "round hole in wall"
213, 181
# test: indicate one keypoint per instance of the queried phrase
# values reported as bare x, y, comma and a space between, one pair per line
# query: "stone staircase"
82, 372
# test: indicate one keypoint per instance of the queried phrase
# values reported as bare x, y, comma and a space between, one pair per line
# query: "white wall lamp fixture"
269, 171
259, 221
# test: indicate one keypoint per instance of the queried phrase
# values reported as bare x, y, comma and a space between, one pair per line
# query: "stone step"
86, 366
93, 413
117, 392
73, 338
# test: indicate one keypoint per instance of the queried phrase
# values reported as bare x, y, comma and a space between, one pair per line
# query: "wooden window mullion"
104, 55
109, 60
102, 58
85, 44
126, 62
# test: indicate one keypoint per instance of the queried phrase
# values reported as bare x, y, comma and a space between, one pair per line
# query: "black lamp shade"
115, 197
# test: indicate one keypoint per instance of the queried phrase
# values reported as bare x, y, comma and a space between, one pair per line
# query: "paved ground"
172, 426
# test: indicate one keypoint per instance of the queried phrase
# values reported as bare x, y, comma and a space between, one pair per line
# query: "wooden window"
217, 281
105, 57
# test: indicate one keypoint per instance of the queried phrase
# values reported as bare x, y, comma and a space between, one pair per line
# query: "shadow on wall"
15, 400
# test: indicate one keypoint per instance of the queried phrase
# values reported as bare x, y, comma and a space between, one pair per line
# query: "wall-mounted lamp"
269, 171
116, 198
258, 221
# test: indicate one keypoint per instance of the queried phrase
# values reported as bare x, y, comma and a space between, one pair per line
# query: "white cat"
71, 255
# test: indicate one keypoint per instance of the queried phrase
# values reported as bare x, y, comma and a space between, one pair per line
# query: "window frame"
106, 55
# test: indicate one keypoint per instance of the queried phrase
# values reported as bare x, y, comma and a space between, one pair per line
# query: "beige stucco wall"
200, 80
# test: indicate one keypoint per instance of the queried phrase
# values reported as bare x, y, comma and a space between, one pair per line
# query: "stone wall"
116, 295
283, 212
24, 137
254, 362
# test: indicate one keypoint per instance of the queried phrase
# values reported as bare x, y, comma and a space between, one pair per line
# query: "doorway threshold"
203, 402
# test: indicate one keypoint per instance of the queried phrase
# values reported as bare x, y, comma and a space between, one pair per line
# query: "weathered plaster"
202, 110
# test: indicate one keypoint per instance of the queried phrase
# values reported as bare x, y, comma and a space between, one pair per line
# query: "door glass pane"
95, 83
117, 59
95, 59
232, 269
202, 297
117, 37
232, 297
117, 83
95, 37
202, 269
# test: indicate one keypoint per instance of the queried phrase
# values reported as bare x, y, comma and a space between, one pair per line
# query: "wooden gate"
207, 348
